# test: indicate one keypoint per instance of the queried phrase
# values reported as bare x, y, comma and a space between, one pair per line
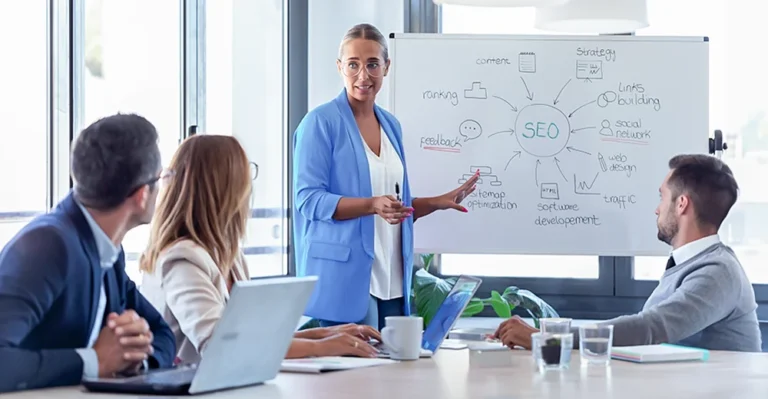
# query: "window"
244, 97
490, 20
736, 29
551, 266
23, 104
132, 57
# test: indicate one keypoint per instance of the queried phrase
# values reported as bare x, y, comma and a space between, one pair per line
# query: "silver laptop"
445, 318
248, 344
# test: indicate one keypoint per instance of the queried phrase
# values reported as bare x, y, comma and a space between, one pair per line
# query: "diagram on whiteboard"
542, 130
486, 176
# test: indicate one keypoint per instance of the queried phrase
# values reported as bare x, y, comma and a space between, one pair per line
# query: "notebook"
658, 353
329, 363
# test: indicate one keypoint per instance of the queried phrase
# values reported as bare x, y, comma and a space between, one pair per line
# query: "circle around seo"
542, 130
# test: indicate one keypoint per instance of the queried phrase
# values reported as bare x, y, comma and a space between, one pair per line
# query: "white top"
693, 248
387, 272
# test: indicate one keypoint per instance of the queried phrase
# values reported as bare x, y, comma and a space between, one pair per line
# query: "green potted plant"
429, 291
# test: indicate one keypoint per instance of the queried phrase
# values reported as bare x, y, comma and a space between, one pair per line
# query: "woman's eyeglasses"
353, 68
254, 170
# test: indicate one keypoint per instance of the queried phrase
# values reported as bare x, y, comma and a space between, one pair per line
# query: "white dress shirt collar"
108, 251
693, 248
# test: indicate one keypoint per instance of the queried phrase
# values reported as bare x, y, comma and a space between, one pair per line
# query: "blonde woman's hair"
206, 200
368, 32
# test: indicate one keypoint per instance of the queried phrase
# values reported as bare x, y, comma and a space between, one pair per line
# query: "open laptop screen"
450, 310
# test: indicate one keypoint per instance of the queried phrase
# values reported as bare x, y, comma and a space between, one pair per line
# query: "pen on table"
397, 191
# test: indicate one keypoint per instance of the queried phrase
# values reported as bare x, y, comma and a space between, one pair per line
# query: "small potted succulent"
551, 350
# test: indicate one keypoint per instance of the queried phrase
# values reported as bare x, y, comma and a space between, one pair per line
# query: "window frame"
295, 99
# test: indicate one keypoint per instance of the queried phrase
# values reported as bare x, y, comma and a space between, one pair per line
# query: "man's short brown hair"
708, 182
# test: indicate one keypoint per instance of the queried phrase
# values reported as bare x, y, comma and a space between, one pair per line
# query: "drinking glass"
595, 343
551, 351
555, 325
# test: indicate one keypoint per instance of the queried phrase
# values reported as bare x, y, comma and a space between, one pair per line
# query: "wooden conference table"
507, 374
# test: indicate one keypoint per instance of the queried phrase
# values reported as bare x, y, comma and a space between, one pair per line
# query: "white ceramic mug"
402, 337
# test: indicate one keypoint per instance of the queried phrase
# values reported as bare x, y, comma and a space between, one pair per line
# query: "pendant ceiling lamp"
502, 3
593, 16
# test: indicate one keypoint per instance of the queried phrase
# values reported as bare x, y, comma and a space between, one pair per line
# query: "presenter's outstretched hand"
343, 344
453, 199
390, 209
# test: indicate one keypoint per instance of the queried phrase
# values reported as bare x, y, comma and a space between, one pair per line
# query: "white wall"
327, 26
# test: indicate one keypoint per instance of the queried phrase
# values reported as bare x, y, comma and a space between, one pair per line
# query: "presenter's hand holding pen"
390, 209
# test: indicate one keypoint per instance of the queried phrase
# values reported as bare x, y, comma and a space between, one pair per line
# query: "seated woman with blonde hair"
195, 253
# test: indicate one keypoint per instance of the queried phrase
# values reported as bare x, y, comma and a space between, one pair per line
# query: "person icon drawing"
606, 128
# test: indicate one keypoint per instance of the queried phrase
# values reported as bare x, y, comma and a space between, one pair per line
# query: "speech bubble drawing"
470, 129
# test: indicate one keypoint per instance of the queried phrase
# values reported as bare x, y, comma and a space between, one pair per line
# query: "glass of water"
551, 351
555, 325
595, 342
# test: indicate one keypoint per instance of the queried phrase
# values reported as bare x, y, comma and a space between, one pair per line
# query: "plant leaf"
500, 305
527, 300
474, 307
429, 291
426, 260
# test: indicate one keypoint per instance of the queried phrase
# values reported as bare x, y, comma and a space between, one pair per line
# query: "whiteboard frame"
394, 37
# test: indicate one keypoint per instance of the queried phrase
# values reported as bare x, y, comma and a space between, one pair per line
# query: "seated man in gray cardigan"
704, 298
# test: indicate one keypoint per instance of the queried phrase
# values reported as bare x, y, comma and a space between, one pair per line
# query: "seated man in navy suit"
67, 308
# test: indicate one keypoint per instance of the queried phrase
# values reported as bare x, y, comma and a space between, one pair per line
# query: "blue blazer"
329, 162
50, 282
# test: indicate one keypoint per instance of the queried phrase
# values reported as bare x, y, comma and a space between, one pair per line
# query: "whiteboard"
571, 134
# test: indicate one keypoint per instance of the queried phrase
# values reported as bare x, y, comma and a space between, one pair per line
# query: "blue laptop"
445, 318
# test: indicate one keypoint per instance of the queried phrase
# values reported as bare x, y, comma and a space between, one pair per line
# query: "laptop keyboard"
170, 377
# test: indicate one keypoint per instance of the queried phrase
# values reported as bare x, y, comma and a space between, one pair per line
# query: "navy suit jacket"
50, 282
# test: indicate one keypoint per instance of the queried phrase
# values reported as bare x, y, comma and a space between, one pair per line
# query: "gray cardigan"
706, 302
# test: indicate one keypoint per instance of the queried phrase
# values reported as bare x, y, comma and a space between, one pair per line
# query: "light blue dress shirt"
108, 253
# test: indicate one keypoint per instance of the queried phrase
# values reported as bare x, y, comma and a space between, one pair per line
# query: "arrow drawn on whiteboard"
571, 149
514, 109
530, 95
536, 171
582, 128
574, 111
561, 92
557, 163
510, 131
517, 154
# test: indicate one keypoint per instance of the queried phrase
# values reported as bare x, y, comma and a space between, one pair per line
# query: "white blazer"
190, 293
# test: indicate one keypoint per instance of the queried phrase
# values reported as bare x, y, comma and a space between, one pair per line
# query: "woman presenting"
353, 212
